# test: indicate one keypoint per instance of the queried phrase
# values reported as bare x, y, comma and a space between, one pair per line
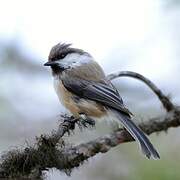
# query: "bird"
83, 88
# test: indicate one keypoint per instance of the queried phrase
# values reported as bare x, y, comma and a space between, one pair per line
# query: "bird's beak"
61, 65
54, 63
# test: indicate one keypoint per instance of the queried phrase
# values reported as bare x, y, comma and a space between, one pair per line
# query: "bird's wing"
103, 93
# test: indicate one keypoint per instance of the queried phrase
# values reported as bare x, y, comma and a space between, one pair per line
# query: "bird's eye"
62, 55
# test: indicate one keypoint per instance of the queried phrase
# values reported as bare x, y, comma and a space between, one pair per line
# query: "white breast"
57, 87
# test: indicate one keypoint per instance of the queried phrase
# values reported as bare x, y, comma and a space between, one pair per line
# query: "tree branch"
50, 151
168, 105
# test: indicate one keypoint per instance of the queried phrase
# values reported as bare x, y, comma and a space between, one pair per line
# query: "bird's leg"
69, 122
85, 120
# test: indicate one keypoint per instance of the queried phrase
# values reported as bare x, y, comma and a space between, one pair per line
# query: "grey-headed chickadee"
83, 89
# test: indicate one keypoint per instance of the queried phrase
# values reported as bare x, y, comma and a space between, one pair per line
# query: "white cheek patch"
74, 59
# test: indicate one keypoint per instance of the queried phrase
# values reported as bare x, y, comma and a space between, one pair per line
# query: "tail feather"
146, 146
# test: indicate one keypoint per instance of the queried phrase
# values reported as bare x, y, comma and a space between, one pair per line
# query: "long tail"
146, 146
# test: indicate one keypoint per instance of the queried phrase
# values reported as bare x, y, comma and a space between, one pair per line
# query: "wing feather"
103, 93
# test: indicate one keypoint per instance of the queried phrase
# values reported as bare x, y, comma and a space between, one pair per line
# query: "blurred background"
141, 36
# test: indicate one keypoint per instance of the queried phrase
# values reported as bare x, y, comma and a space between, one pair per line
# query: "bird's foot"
86, 121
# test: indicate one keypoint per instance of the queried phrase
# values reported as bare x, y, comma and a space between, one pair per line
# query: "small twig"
168, 105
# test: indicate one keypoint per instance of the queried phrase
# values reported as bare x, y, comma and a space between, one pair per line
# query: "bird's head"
63, 57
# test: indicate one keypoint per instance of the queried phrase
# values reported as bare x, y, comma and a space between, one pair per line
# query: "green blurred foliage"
162, 170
